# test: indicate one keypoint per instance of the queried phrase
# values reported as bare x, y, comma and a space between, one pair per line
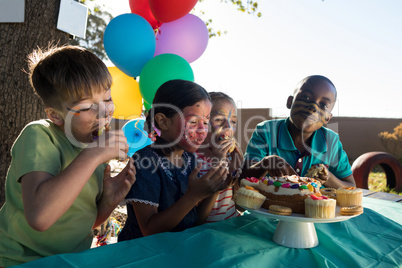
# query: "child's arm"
235, 167
328, 179
46, 198
334, 182
205, 207
114, 190
274, 165
235, 162
151, 221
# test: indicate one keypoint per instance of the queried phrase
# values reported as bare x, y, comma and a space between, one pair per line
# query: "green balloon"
160, 69
147, 106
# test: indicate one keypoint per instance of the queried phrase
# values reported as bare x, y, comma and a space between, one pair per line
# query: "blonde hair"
67, 72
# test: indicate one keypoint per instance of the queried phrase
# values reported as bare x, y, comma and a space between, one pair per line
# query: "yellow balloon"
126, 95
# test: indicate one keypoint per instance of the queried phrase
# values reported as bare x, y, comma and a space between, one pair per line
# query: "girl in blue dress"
167, 195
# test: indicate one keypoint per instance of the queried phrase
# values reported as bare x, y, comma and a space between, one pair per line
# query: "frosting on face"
196, 120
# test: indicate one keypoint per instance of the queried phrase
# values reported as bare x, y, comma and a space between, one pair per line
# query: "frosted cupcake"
252, 181
249, 197
349, 196
320, 207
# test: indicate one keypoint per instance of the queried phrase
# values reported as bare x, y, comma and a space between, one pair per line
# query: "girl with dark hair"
168, 195
221, 145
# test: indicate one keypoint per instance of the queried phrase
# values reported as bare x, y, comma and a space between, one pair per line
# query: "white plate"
295, 217
297, 230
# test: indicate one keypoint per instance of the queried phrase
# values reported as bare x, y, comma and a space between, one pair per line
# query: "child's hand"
221, 148
324, 176
235, 164
277, 166
213, 181
112, 144
320, 172
237, 158
116, 188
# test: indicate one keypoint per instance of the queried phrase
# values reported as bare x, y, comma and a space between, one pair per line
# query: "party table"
373, 239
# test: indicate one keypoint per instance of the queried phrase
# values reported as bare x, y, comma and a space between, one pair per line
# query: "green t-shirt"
42, 146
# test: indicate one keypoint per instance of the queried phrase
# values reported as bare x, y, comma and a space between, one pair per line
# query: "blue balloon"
129, 42
137, 137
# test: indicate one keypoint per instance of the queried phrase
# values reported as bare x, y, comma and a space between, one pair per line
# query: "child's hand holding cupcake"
223, 145
319, 172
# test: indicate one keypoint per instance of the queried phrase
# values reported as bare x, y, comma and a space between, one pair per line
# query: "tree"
98, 19
18, 104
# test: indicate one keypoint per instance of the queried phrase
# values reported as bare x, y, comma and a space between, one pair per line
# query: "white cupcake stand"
297, 230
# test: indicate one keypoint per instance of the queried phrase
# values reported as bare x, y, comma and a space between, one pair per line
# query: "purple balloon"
186, 37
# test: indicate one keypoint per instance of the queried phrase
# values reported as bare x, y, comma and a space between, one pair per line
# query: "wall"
247, 120
358, 135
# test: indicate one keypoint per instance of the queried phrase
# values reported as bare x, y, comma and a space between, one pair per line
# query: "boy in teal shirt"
291, 146
58, 187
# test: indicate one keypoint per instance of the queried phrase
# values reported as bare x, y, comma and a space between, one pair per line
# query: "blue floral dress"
159, 183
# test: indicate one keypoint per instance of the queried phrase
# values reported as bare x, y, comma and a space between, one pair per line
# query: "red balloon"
170, 10
141, 7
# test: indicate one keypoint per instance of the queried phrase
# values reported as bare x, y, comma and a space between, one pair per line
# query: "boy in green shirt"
58, 187
291, 146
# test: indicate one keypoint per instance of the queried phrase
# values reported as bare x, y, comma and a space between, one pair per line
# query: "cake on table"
288, 191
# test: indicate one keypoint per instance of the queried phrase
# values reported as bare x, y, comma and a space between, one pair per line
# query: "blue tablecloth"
373, 239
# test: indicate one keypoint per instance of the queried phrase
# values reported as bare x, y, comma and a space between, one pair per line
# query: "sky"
357, 44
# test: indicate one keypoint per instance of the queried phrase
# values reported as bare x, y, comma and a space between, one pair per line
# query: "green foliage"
377, 181
251, 7
393, 141
96, 25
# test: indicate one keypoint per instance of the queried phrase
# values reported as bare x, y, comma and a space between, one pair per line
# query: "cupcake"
253, 182
249, 197
320, 207
316, 170
349, 196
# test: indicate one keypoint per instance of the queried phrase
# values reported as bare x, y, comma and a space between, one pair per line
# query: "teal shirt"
42, 146
272, 137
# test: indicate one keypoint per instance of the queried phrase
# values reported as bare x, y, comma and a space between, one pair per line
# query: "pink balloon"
186, 37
